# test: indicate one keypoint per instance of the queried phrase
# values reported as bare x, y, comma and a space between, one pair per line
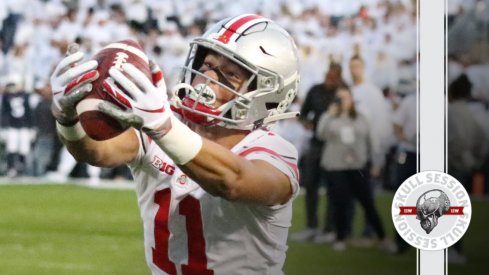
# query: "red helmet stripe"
234, 27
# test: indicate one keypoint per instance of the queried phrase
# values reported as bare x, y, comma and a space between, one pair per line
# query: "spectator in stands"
385, 73
19, 64
465, 151
405, 121
345, 155
317, 101
45, 130
370, 102
294, 131
3, 134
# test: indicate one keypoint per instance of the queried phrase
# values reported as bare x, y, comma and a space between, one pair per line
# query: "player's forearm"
225, 174
212, 166
219, 171
216, 170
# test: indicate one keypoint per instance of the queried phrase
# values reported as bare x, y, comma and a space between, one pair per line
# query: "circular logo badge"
182, 179
431, 210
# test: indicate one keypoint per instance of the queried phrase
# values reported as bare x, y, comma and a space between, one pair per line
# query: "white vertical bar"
431, 109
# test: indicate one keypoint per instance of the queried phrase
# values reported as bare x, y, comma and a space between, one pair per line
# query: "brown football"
96, 124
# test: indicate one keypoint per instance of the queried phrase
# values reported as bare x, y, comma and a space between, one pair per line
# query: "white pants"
18, 140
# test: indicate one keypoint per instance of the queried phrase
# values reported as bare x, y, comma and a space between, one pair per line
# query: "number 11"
190, 208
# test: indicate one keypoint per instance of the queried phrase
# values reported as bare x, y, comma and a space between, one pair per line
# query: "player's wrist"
178, 141
159, 131
74, 132
67, 122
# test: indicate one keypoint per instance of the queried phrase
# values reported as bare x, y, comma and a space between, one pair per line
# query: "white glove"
70, 83
147, 106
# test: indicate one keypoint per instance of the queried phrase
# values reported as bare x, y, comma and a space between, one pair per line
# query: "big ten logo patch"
163, 166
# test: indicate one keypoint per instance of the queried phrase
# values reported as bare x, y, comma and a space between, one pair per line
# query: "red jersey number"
189, 207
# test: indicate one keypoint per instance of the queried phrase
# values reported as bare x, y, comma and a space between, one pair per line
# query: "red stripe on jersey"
293, 166
224, 38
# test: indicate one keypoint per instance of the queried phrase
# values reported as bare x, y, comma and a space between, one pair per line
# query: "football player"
16, 116
215, 189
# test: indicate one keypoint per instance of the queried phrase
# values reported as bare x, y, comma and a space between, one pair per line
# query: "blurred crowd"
357, 98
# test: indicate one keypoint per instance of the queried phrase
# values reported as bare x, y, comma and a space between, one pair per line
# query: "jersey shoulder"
272, 148
267, 141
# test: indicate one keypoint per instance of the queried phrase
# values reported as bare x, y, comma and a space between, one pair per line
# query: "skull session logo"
428, 210
431, 210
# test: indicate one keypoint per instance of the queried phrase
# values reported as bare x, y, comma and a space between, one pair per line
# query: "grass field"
68, 229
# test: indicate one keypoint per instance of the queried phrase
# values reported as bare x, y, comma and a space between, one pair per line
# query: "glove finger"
116, 93
67, 62
156, 74
82, 80
129, 87
72, 48
70, 100
77, 71
139, 78
124, 117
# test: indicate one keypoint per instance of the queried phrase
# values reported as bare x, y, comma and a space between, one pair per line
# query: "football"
96, 124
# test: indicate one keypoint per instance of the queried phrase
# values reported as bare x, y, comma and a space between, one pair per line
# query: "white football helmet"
260, 46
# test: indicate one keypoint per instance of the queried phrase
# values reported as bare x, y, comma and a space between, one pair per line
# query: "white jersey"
188, 231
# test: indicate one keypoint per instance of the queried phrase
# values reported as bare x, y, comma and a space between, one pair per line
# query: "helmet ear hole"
181, 93
252, 86
271, 105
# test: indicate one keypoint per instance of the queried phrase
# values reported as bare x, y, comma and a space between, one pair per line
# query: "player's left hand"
146, 104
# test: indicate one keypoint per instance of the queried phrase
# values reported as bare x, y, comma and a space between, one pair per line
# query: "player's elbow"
231, 194
91, 157
80, 156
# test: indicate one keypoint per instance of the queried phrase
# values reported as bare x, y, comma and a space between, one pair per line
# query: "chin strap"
281, 116
266, 122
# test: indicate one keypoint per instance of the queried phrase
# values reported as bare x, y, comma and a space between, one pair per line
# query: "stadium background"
69, 220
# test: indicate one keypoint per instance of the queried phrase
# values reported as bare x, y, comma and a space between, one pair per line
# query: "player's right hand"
70, 83
146, 101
